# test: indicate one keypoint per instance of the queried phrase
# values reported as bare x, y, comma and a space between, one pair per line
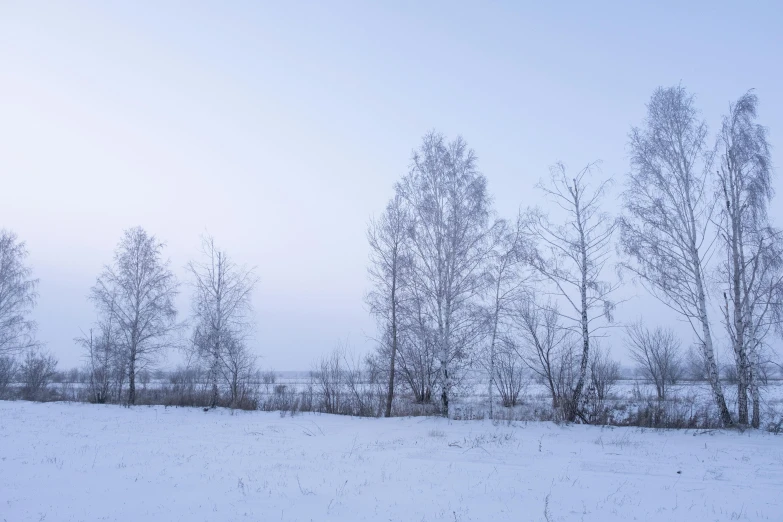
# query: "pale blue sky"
281, 127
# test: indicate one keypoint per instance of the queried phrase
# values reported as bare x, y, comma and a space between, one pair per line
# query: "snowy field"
69, 462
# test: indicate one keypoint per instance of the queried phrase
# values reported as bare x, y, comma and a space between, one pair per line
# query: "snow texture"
69, 462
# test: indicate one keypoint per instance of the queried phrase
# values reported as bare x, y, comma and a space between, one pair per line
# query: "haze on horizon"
281, 129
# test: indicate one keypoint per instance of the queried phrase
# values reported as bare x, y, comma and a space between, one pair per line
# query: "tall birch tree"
751, 271
666, 226
222, 309
137, 294
450, 231
571, 257
389, 273
18, 296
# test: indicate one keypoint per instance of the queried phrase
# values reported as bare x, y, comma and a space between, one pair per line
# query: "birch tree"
571, 258
764, 308
137, 293
449, 234
751, 270
18, 296
665, 229
221, 311
389, 272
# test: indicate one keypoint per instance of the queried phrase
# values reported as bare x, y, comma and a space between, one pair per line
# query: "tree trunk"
234, 388
215, 392
491, 378
709, 354
390, 392
132, 380
701, 296
492, 352
754, 387
446, 389
574, 406
444, 360
740, 349
120, 384
742, 394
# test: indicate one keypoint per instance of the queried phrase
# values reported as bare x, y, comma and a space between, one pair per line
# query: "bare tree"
450, 211
752, 271
415, 362
221, 309
508, 372
328, 376
505, 279
105, 359
17, 296
764, 309
137, 292
545, 346
668, 211
658, 354
359, 385
572, 256
389, 270
99, 358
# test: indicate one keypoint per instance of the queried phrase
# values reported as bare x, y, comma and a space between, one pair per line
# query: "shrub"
36, 372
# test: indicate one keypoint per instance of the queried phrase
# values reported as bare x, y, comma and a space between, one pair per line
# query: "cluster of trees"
134, 298
137, 320
454, 287
22, 358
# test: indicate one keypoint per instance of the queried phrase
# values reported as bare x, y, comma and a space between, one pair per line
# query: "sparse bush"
673, 414
328, 377
550, 350
344, 385
36, 372
509, 375
657, 352
604, 372
188, 387
364, 389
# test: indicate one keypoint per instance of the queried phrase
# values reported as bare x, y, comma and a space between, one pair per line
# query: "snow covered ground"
69, 462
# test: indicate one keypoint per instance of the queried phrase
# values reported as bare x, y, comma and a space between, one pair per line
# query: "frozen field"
69, 462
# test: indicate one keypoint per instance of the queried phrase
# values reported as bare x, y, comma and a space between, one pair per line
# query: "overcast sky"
281, 127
